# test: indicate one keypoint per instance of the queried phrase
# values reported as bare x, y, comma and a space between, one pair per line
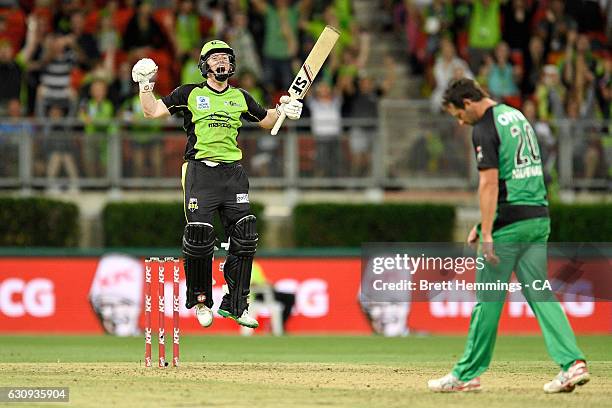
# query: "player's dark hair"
460, 89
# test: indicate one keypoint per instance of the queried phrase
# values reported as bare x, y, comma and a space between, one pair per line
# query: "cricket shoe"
204, 314
450, 383
566, 381
244, 320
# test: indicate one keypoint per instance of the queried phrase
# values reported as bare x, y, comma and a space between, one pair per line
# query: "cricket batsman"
514, 210
212, 177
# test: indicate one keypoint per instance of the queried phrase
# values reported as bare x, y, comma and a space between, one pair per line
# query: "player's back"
518, 155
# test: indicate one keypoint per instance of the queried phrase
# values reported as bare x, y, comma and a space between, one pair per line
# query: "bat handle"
278, 124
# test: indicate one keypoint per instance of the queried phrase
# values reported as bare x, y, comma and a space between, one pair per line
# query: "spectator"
57, 61
503, 77
61, 18
484, 30
109, 39
11, 75
143, 33
517, 19
280, 41
407, 22
244, 47
555, 27
249, 83
578, 70
59, 147
326, 125
534, 62
438, 18
145, 143
483, 72
264, 163
190, 73
31, 57
84, 44
594, 159
187, 28
97, 112
550, 94
364, 106
448, 66
12, 130
122, 87
12, 26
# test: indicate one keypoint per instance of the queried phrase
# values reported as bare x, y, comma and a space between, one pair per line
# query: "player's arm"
271, 116
142, 72
266, 118
486, 144
152, 107
488, 190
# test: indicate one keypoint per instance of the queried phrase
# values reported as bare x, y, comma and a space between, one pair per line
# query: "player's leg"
241, 228
200, 203
484, 321
558, 334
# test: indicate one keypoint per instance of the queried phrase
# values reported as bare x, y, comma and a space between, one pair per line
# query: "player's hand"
291, 107
488, 250
144, 70
472, 238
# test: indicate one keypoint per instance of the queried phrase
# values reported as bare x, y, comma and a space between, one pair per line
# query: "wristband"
146, 86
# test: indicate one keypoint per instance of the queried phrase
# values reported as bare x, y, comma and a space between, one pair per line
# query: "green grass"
294, 371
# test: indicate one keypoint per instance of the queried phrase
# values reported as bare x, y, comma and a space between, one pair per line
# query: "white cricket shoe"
204, 315
566, 381
450, 383
247, 320
244, 320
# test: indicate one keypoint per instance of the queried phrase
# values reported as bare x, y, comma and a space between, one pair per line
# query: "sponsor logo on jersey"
231, 103
193, 204
202, 102
479, 155
242, 198
219, 119
509, 117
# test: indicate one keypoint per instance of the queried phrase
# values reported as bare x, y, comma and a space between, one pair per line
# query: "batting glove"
142, 72
291, 107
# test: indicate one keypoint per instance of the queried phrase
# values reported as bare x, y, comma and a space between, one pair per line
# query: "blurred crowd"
550, 58
74, 57
554, 53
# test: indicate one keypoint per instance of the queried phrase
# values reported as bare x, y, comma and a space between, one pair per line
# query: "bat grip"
278, 124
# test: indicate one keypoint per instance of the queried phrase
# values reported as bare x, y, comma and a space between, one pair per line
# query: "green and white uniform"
504, 139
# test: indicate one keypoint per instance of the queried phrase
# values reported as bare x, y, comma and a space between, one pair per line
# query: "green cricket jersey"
504, 139
212, 119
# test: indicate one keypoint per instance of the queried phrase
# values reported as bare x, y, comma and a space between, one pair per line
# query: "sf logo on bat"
302, 81
300, 85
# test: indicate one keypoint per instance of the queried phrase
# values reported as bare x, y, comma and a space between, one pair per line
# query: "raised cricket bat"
303, 80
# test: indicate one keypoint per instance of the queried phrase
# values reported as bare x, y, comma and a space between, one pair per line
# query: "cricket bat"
303, 80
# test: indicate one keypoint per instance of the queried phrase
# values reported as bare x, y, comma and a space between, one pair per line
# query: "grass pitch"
219, 371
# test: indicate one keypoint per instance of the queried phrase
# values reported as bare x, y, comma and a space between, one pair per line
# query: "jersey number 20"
526, 139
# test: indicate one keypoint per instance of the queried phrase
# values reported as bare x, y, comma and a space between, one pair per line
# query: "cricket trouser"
529, 263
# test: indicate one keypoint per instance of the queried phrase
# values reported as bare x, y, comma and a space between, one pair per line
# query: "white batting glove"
291, 107
142, 72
